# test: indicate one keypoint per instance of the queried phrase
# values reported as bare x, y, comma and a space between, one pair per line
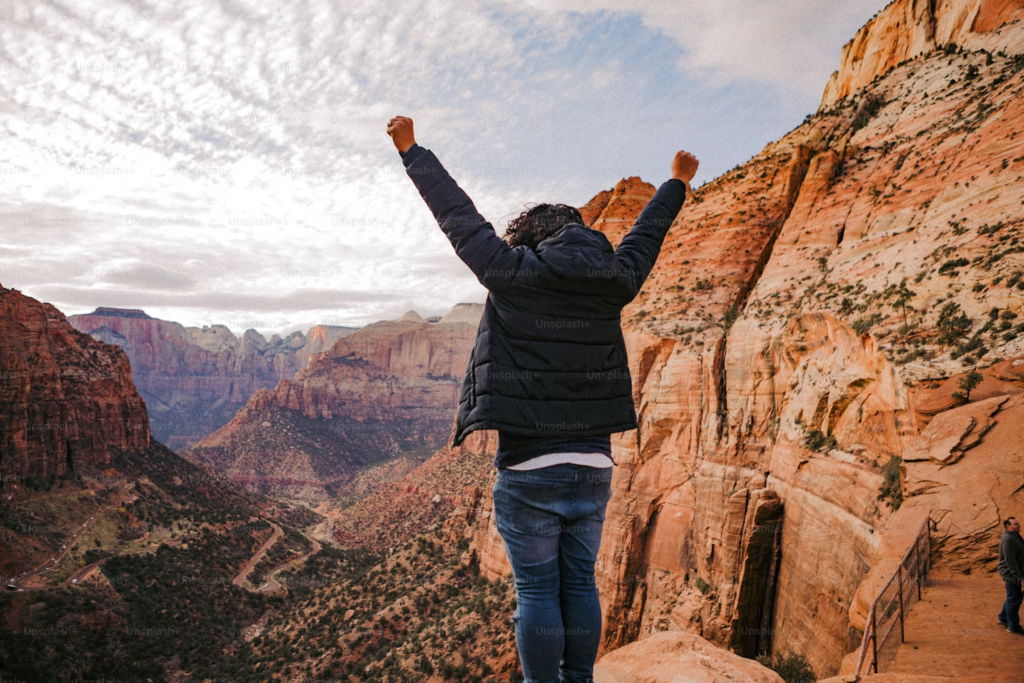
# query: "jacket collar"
575, 249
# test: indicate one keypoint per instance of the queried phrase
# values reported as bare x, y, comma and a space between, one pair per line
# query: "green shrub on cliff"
816, 440
793, 667
892, 489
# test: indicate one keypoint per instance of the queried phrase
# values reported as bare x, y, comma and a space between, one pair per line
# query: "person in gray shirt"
1011, 569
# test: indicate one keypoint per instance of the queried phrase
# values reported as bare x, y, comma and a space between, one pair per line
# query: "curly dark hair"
536, 224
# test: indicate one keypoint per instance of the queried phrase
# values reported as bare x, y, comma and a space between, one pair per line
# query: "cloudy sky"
225, 161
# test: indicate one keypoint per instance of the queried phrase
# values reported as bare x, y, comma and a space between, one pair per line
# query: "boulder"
678, 657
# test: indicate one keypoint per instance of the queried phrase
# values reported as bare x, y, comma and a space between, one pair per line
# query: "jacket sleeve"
638, 251
1012, 552
490, 258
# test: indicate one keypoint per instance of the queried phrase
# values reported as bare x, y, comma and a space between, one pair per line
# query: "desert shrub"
891, 490
792, 667
974, 346
868, 109
953, 323
730, 317
816, 440
862, 325
967, 384
949, 267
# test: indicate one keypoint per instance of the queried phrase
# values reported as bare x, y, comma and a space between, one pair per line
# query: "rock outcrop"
195, 379
386, 390
66, 400
906, 29
810, 317
672, 657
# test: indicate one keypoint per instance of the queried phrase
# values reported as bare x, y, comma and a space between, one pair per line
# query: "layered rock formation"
794, 337
907, 29
388, 389
195, 379
66, 400
663, 656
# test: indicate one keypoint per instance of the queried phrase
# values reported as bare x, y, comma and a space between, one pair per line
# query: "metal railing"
885, 630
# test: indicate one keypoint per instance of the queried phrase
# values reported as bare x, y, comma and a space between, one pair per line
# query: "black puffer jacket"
549, 358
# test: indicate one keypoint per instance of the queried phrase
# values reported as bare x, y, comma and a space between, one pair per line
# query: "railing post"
874, 639
899, 580
928, 538
920, 578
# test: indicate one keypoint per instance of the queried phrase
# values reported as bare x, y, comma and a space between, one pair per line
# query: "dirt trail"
240, 579
953, 632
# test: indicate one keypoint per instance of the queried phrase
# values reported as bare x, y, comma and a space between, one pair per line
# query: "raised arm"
638, 251
490, 258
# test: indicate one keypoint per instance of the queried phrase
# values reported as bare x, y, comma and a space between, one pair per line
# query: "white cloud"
790, 44
227, 162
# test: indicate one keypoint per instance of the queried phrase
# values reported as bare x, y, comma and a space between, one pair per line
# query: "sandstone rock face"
673, 657
388, 389
908, 28
810, 316
66, 400
195, 379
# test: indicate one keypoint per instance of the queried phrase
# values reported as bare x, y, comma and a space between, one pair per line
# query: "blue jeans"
1011, 607
551, 520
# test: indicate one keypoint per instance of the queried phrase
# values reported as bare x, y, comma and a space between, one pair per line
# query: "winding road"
54, 561
271, 585
240, 579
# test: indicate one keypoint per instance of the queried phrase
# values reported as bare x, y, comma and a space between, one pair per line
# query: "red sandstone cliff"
784, 349
908, 28
388, 389
66, 400
195, 379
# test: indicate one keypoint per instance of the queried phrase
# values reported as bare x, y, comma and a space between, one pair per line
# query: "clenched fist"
684, 166
400, 130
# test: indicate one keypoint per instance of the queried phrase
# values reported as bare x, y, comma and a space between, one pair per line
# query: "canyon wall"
908, 28
805, 306
66, 400
388, 389
195, 379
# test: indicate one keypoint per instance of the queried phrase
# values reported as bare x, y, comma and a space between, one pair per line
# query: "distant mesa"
467, 313
194, 379
464, 313
388, 389
121, 313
